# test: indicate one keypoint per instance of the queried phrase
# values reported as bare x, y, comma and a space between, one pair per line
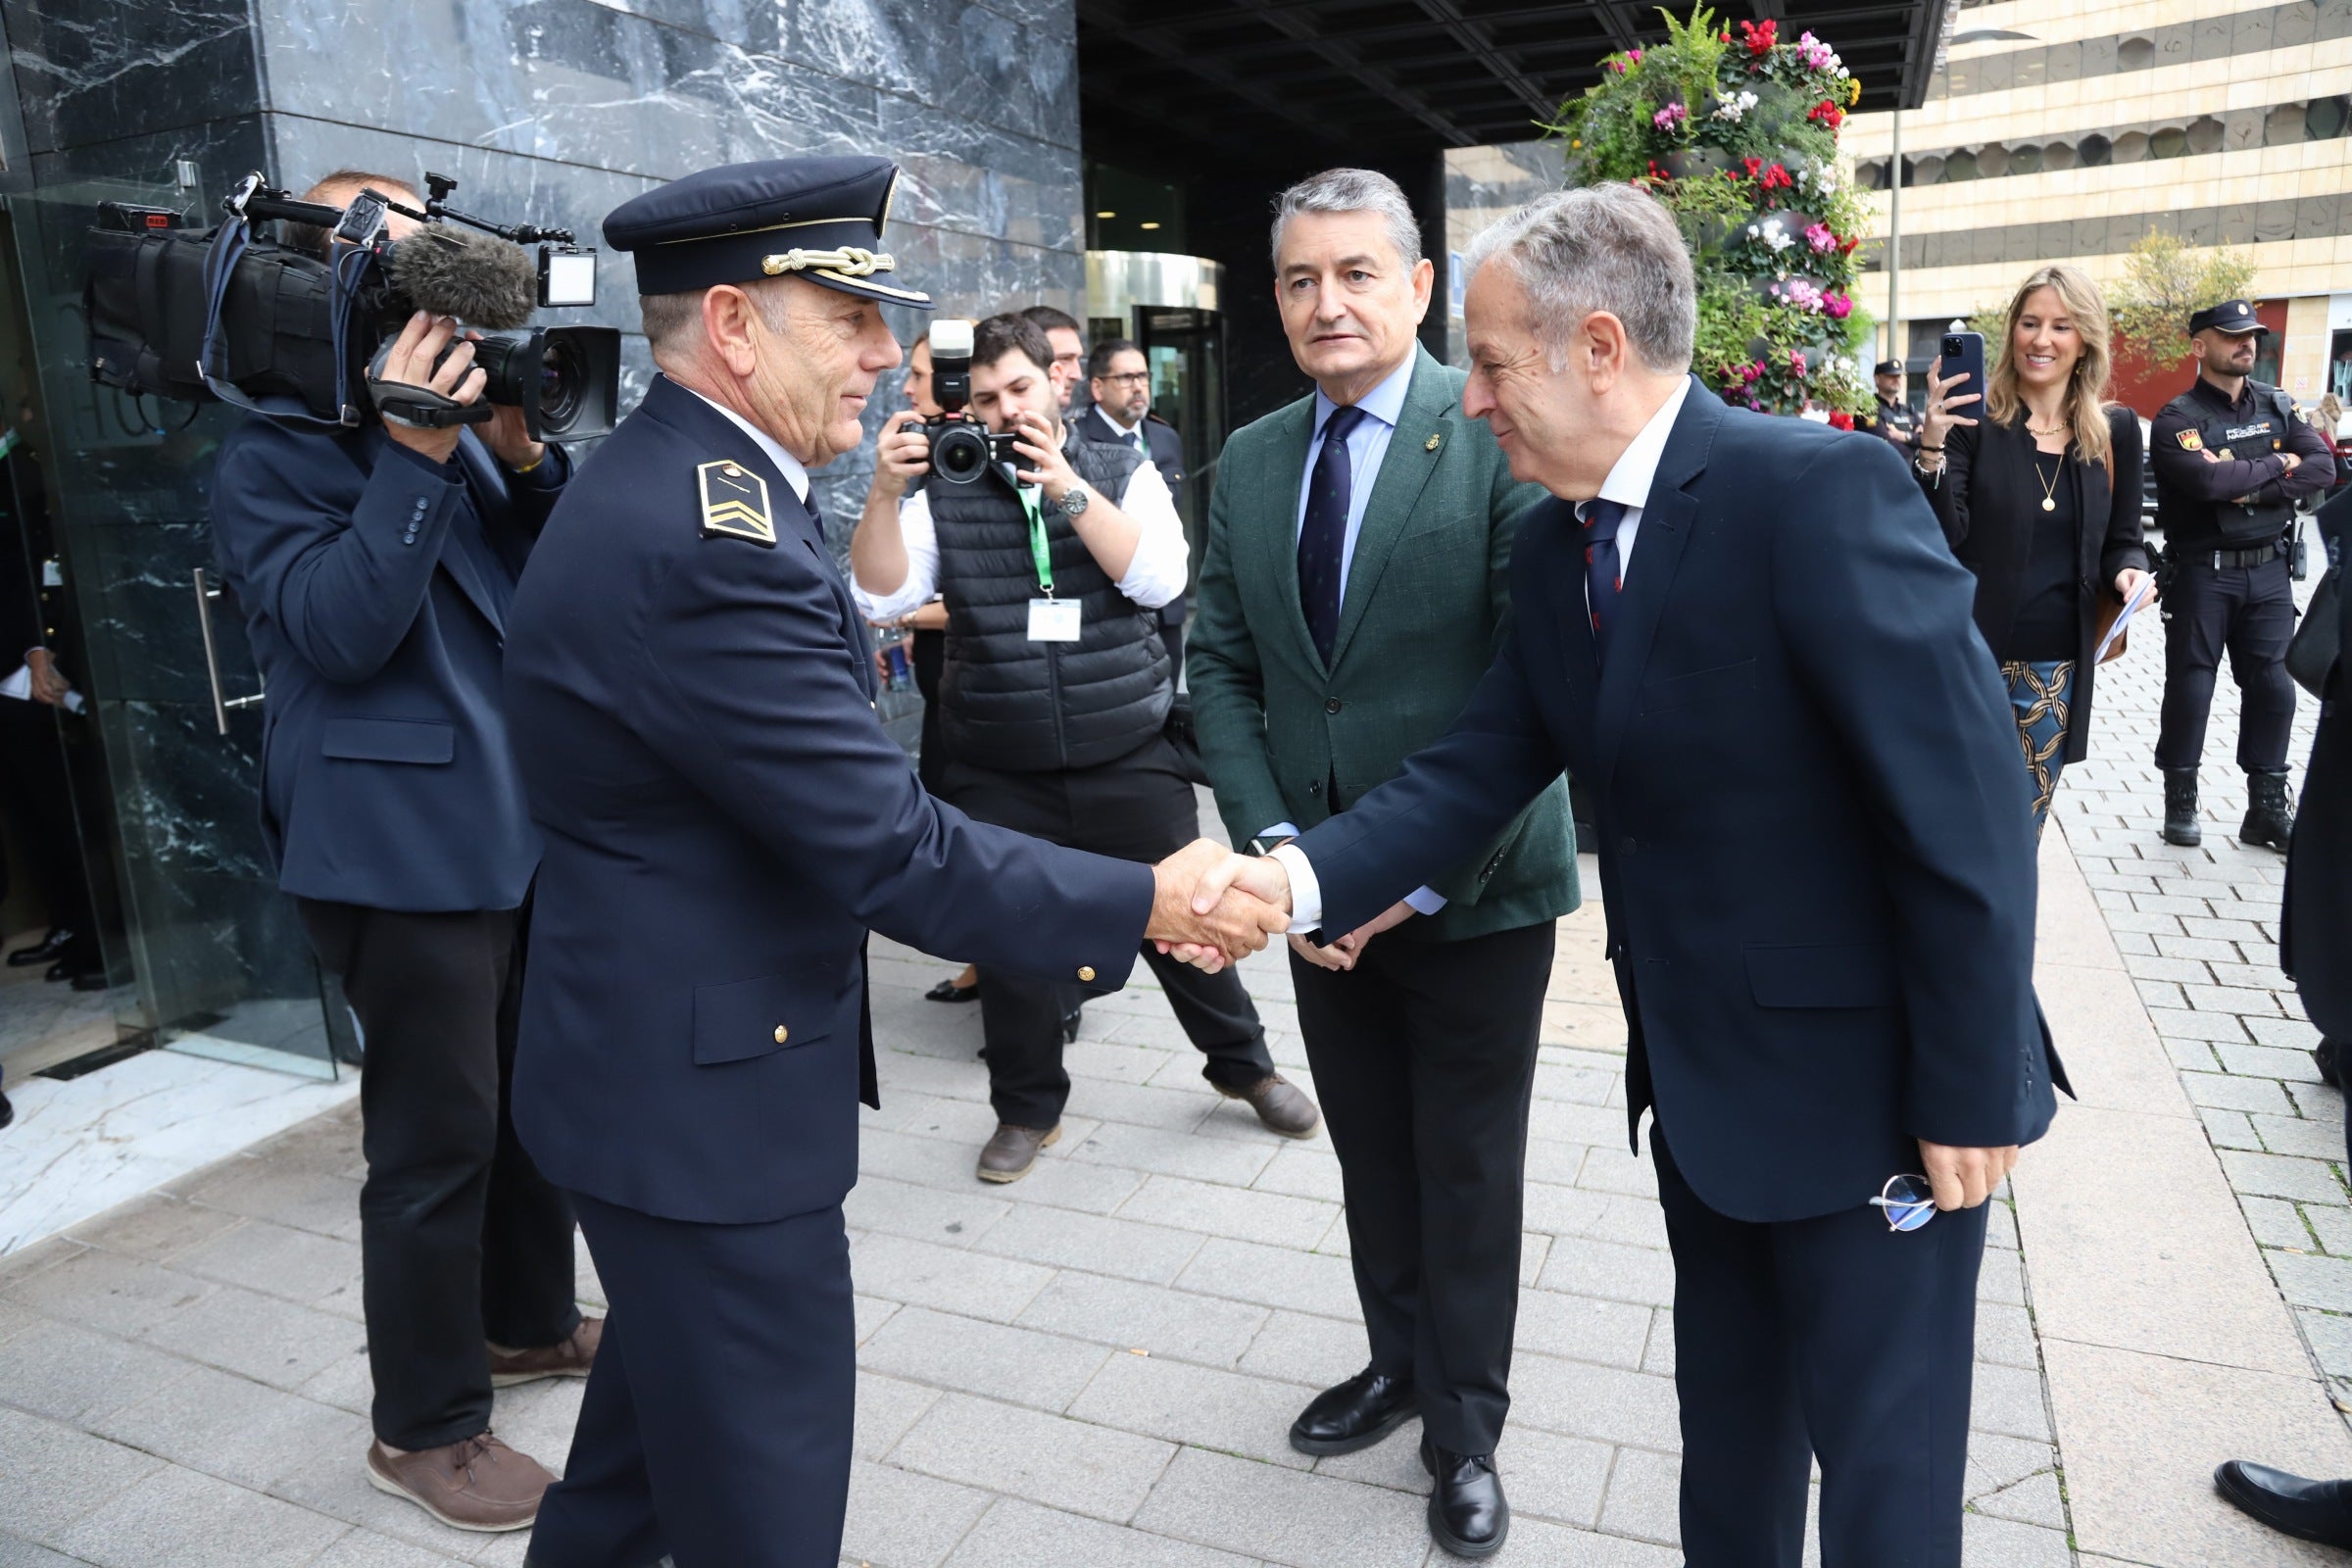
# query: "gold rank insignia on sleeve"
735, 503
2190, 441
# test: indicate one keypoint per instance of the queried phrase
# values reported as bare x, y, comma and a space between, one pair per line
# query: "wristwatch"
1076, 499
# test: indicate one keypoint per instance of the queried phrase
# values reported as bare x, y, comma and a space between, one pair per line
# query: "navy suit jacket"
725, 818
373, 605
1816, 838
1168, 447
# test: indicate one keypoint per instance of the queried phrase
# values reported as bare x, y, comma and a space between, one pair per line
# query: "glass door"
213, 959
1185, 351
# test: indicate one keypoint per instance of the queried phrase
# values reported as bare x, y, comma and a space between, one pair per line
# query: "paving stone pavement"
2199, 932
1096, 1365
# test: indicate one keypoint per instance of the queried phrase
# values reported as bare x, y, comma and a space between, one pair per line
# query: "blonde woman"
2041, 498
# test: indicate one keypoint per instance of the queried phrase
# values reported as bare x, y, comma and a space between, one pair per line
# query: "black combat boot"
2269, 814
2181, 808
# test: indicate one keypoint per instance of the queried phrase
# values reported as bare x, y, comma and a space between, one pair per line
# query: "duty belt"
2258, 555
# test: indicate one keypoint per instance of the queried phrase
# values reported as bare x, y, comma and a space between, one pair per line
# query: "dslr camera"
961, 448
239, 315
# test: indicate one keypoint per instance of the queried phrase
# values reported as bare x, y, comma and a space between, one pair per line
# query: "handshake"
1212, 907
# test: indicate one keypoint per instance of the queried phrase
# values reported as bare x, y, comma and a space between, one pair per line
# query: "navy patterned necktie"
1323, 531
1604, 574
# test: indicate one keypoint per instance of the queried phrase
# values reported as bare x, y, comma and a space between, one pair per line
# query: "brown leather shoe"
1009, 1154
565, 1358
479, 1484
1280, 1104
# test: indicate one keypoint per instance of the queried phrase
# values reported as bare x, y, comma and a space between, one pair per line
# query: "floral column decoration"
1735, 132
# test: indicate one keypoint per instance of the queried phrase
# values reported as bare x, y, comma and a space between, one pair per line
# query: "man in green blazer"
1351, 593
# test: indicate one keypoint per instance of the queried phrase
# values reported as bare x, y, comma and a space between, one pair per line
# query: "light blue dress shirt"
1368, 444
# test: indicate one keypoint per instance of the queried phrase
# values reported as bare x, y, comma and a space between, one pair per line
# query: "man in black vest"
1053, 696
2231, 460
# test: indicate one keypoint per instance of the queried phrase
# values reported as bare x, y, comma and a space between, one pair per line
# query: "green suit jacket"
1426, 594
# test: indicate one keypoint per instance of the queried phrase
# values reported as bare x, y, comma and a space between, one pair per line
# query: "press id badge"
1053, 621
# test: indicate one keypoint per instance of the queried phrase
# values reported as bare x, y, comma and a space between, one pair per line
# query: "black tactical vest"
1025, 707
2262, 429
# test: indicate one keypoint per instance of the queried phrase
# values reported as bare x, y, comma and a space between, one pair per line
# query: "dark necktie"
1603, 574
1323, 531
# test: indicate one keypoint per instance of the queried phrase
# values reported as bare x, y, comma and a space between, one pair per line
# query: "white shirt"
1628, 485
1155, 575
795, 472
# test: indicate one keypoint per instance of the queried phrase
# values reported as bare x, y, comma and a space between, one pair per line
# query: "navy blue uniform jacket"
373, 583
724, 820
1816, 839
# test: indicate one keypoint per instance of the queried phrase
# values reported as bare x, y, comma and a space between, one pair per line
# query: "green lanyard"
1037, 551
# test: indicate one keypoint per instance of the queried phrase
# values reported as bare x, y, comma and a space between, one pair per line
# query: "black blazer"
1988, 501
2315, 944
1816, 842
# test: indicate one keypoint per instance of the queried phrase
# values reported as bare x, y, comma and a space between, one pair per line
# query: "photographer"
374, 567
1054, 696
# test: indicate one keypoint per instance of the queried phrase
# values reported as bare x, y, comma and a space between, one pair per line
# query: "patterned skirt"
2040, 695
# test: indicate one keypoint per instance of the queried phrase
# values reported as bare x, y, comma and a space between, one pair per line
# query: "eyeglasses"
1127, 379
1909, 1202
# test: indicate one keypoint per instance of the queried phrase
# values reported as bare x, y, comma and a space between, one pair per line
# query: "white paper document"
2139, 595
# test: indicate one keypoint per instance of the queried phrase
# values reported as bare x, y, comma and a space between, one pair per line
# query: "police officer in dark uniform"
2230, 459
1893, 417
691, 697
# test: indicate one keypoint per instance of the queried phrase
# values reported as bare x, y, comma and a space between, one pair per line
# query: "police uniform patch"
735, 503
2190, 441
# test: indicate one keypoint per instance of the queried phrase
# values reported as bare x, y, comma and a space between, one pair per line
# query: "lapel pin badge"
1432, 444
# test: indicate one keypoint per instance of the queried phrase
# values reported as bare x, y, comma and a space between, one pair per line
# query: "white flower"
1734, 108
1776, 237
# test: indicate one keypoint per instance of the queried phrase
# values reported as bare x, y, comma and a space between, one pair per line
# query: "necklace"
2049, 486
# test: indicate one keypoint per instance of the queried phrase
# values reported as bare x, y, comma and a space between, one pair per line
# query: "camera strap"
1039, 551
229, 248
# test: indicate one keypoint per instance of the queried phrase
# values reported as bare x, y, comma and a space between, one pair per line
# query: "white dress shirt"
1155, 575
1628, 485
1129, 436
1367, 445
795, 472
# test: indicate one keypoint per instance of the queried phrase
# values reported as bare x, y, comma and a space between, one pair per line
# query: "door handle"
206, 593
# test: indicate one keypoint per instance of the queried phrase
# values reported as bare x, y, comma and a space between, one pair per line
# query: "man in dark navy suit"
1747, 635
375, 568
693, 689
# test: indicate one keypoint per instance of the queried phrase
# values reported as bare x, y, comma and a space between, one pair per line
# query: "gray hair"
1602, 248
1353, 190
671, 317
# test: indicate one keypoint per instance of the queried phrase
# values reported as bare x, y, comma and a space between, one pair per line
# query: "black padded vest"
1020, 707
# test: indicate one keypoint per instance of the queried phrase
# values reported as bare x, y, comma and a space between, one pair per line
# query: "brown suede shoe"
1280, 1104
479, 1484
1009, 1154
566, 1359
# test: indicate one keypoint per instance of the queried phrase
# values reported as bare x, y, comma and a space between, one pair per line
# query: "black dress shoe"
2309, 1510
948, 991
1070, 1022
7, 1112
1354, 1414
45, 951
2327, 1056
1467, 1513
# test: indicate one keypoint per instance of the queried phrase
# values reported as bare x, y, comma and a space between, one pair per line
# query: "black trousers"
37, 798
1424, 1057
1834, 1338
1138, 808
2250, 612
715, 1427
461, 1241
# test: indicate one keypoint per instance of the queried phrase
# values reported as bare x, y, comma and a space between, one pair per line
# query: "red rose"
1840, 419
1759, 40
1828, 114
1776, 178
1754, 166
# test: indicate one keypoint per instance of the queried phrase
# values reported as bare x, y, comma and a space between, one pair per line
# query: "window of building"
2136, 53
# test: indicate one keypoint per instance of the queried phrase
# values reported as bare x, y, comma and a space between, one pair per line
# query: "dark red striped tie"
1603, 576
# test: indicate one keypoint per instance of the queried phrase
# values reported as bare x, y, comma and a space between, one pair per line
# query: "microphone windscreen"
482, 280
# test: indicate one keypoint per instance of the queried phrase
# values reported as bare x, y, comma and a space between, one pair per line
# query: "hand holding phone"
1955, 383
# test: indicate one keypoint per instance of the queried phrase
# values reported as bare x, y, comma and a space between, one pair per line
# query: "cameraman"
374, 567
1053, 697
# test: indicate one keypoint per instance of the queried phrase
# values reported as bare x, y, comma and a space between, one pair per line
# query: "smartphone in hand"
1964, 356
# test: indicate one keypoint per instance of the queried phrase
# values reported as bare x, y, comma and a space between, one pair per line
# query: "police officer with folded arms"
691, 689
2230, 459
1892, 416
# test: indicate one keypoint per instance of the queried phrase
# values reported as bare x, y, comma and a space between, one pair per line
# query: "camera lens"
960, 454
563, 382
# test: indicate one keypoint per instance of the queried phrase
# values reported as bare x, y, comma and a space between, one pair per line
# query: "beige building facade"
2067, 129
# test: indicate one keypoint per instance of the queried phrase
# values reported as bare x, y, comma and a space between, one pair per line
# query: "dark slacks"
715, 1426
1138, 808
461, 1241
2249, 612
1833, 1336
1424, 1057
37, 798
